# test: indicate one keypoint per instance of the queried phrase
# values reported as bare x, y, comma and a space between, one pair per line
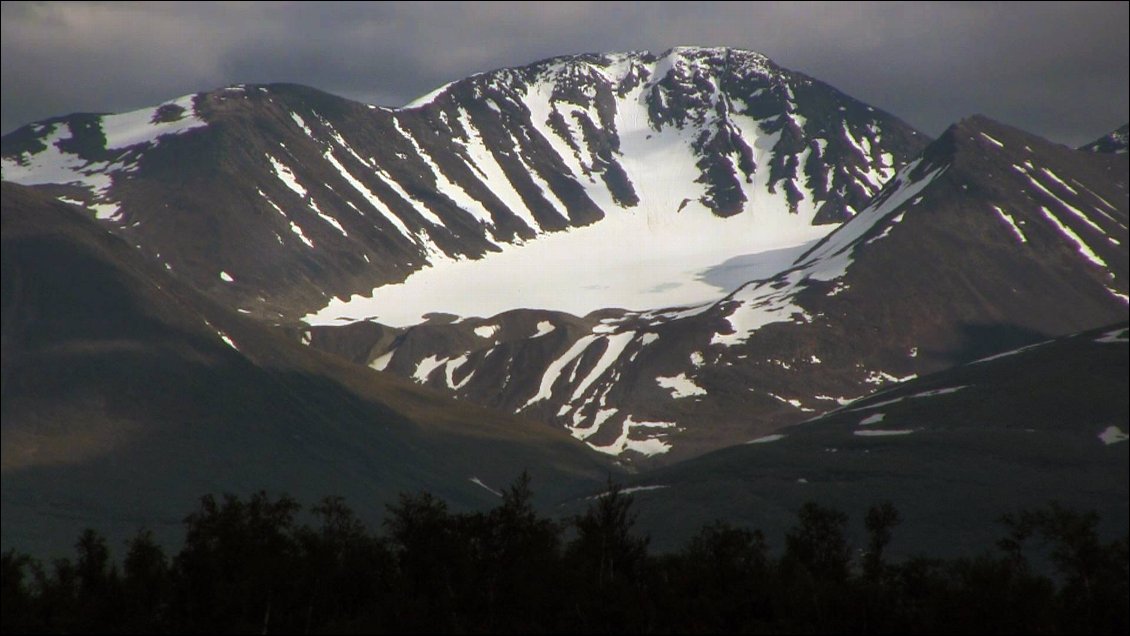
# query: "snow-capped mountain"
990, 237
277, 199
636, 247
1114, 141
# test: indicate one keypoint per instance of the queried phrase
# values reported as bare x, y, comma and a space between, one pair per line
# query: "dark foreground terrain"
252, 566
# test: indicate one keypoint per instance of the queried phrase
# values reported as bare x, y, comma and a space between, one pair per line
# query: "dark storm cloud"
1059, 70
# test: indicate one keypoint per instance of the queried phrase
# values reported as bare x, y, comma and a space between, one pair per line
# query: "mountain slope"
276, 199
952, 451
1114, 141
990, 238
127, 395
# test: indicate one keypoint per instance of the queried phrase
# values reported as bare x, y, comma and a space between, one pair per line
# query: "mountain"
952, 451
990, 238
1114, 141
278, 199
127, 395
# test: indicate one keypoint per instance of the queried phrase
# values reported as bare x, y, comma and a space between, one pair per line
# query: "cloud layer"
1056, 69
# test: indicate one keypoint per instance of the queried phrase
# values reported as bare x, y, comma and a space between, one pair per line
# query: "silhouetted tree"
234, 570
146, 584
608, 561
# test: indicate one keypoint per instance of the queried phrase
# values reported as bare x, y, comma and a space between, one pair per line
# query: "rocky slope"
952, 451
127, 395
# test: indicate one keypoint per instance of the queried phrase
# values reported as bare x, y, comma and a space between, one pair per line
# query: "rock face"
275, 199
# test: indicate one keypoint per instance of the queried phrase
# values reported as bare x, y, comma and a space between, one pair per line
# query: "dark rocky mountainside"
953, 451
127, 395
1114, 141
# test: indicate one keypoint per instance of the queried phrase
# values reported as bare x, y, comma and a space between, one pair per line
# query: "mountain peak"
1113, 142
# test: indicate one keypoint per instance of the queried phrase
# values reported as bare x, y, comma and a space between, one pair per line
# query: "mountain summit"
277, 199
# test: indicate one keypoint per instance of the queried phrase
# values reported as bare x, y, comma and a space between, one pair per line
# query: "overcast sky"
1057, 69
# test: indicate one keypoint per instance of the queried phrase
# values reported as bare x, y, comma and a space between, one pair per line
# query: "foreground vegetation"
250, 566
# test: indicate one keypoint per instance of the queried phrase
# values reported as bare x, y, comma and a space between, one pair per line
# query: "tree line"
249, 566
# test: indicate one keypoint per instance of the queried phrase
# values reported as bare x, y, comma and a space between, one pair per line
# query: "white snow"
427, 98
381, 362
681, 386
486, 331
1053, 177
643, 488
543, 328
1114, 337
1011, 224
294, 227
490, 172
615, 347
302, 124
445, 186
874, 432
375, 202
327, 218
630, 260
1113, 435
553, 371
650, 446
656, 254
874, 418
992, 140
138, 127
626, 491
287, 177
766, 439
930, 393
882, 377
479, 482
1080, 244
1076, 212
1005, 354
764, 302
227, 340
426, 366
453, 365
52, 165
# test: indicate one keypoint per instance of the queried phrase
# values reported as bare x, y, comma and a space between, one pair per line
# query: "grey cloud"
1057, 69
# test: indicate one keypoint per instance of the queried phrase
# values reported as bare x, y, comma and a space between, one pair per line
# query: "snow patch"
766, 439
486, 331
1114, 337
681, 386
479, 482
874, 418
1113, 435
871, 432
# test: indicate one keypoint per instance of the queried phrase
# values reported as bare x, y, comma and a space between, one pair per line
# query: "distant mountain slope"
1114, 141
127, 395
276, 199
990, 238
953, 451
